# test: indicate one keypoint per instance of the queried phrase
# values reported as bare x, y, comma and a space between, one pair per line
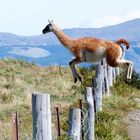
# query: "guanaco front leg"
73, 69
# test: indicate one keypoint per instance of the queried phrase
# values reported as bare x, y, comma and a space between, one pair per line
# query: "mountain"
129, 30
46, 49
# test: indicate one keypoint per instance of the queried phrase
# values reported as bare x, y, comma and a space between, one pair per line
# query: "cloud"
29, 52
110, 20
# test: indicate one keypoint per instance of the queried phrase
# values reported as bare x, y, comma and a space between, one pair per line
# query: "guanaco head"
49, 27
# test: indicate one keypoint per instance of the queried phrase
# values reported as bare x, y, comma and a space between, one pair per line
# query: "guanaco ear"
49, 21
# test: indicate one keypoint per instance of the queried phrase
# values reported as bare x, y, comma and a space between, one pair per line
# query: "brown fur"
113, 50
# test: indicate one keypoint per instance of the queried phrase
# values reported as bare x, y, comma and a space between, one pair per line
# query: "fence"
41, 109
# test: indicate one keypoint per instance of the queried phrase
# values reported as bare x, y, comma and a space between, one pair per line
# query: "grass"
19, 79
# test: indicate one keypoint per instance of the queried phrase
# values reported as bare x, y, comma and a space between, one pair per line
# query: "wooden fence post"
109, 74
14, 126
90, 114
41, 117
98, 87
58, 122
74, 124
105, 82
114, 74
117, 71
82, 116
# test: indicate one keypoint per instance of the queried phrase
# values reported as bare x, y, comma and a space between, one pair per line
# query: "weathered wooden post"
114, 74
74, 124
109, 75
82, 116
117, 71
14, 126
41, 114
90, 114
98, 87
105, 82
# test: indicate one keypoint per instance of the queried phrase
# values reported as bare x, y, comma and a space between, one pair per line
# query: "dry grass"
19, 79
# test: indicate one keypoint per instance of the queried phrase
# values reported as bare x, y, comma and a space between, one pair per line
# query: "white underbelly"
94, 56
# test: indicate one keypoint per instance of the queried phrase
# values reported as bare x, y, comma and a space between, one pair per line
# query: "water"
40, 55
49, 55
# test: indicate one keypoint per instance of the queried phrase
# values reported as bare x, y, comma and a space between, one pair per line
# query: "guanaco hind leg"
114, 59
128, 65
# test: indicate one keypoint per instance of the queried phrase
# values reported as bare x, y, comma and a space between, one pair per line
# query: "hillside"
19, 79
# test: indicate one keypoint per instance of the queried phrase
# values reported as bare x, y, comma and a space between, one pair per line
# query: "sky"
29, 17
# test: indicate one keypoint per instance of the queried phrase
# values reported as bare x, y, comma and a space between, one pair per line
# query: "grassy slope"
18, 80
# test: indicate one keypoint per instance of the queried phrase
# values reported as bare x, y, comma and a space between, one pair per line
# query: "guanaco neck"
63, 38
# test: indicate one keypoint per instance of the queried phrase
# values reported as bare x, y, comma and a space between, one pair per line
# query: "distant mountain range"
46, 49
129, 30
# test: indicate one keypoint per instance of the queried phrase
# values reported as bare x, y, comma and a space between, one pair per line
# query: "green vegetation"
19, 79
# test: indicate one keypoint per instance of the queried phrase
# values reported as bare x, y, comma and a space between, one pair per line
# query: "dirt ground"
133, 123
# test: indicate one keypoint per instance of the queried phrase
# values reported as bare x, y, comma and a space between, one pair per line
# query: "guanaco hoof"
78, 78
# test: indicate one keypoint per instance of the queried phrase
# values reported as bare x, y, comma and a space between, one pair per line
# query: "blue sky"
28, 17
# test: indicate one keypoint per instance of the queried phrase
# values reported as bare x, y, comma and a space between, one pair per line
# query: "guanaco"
89, 49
